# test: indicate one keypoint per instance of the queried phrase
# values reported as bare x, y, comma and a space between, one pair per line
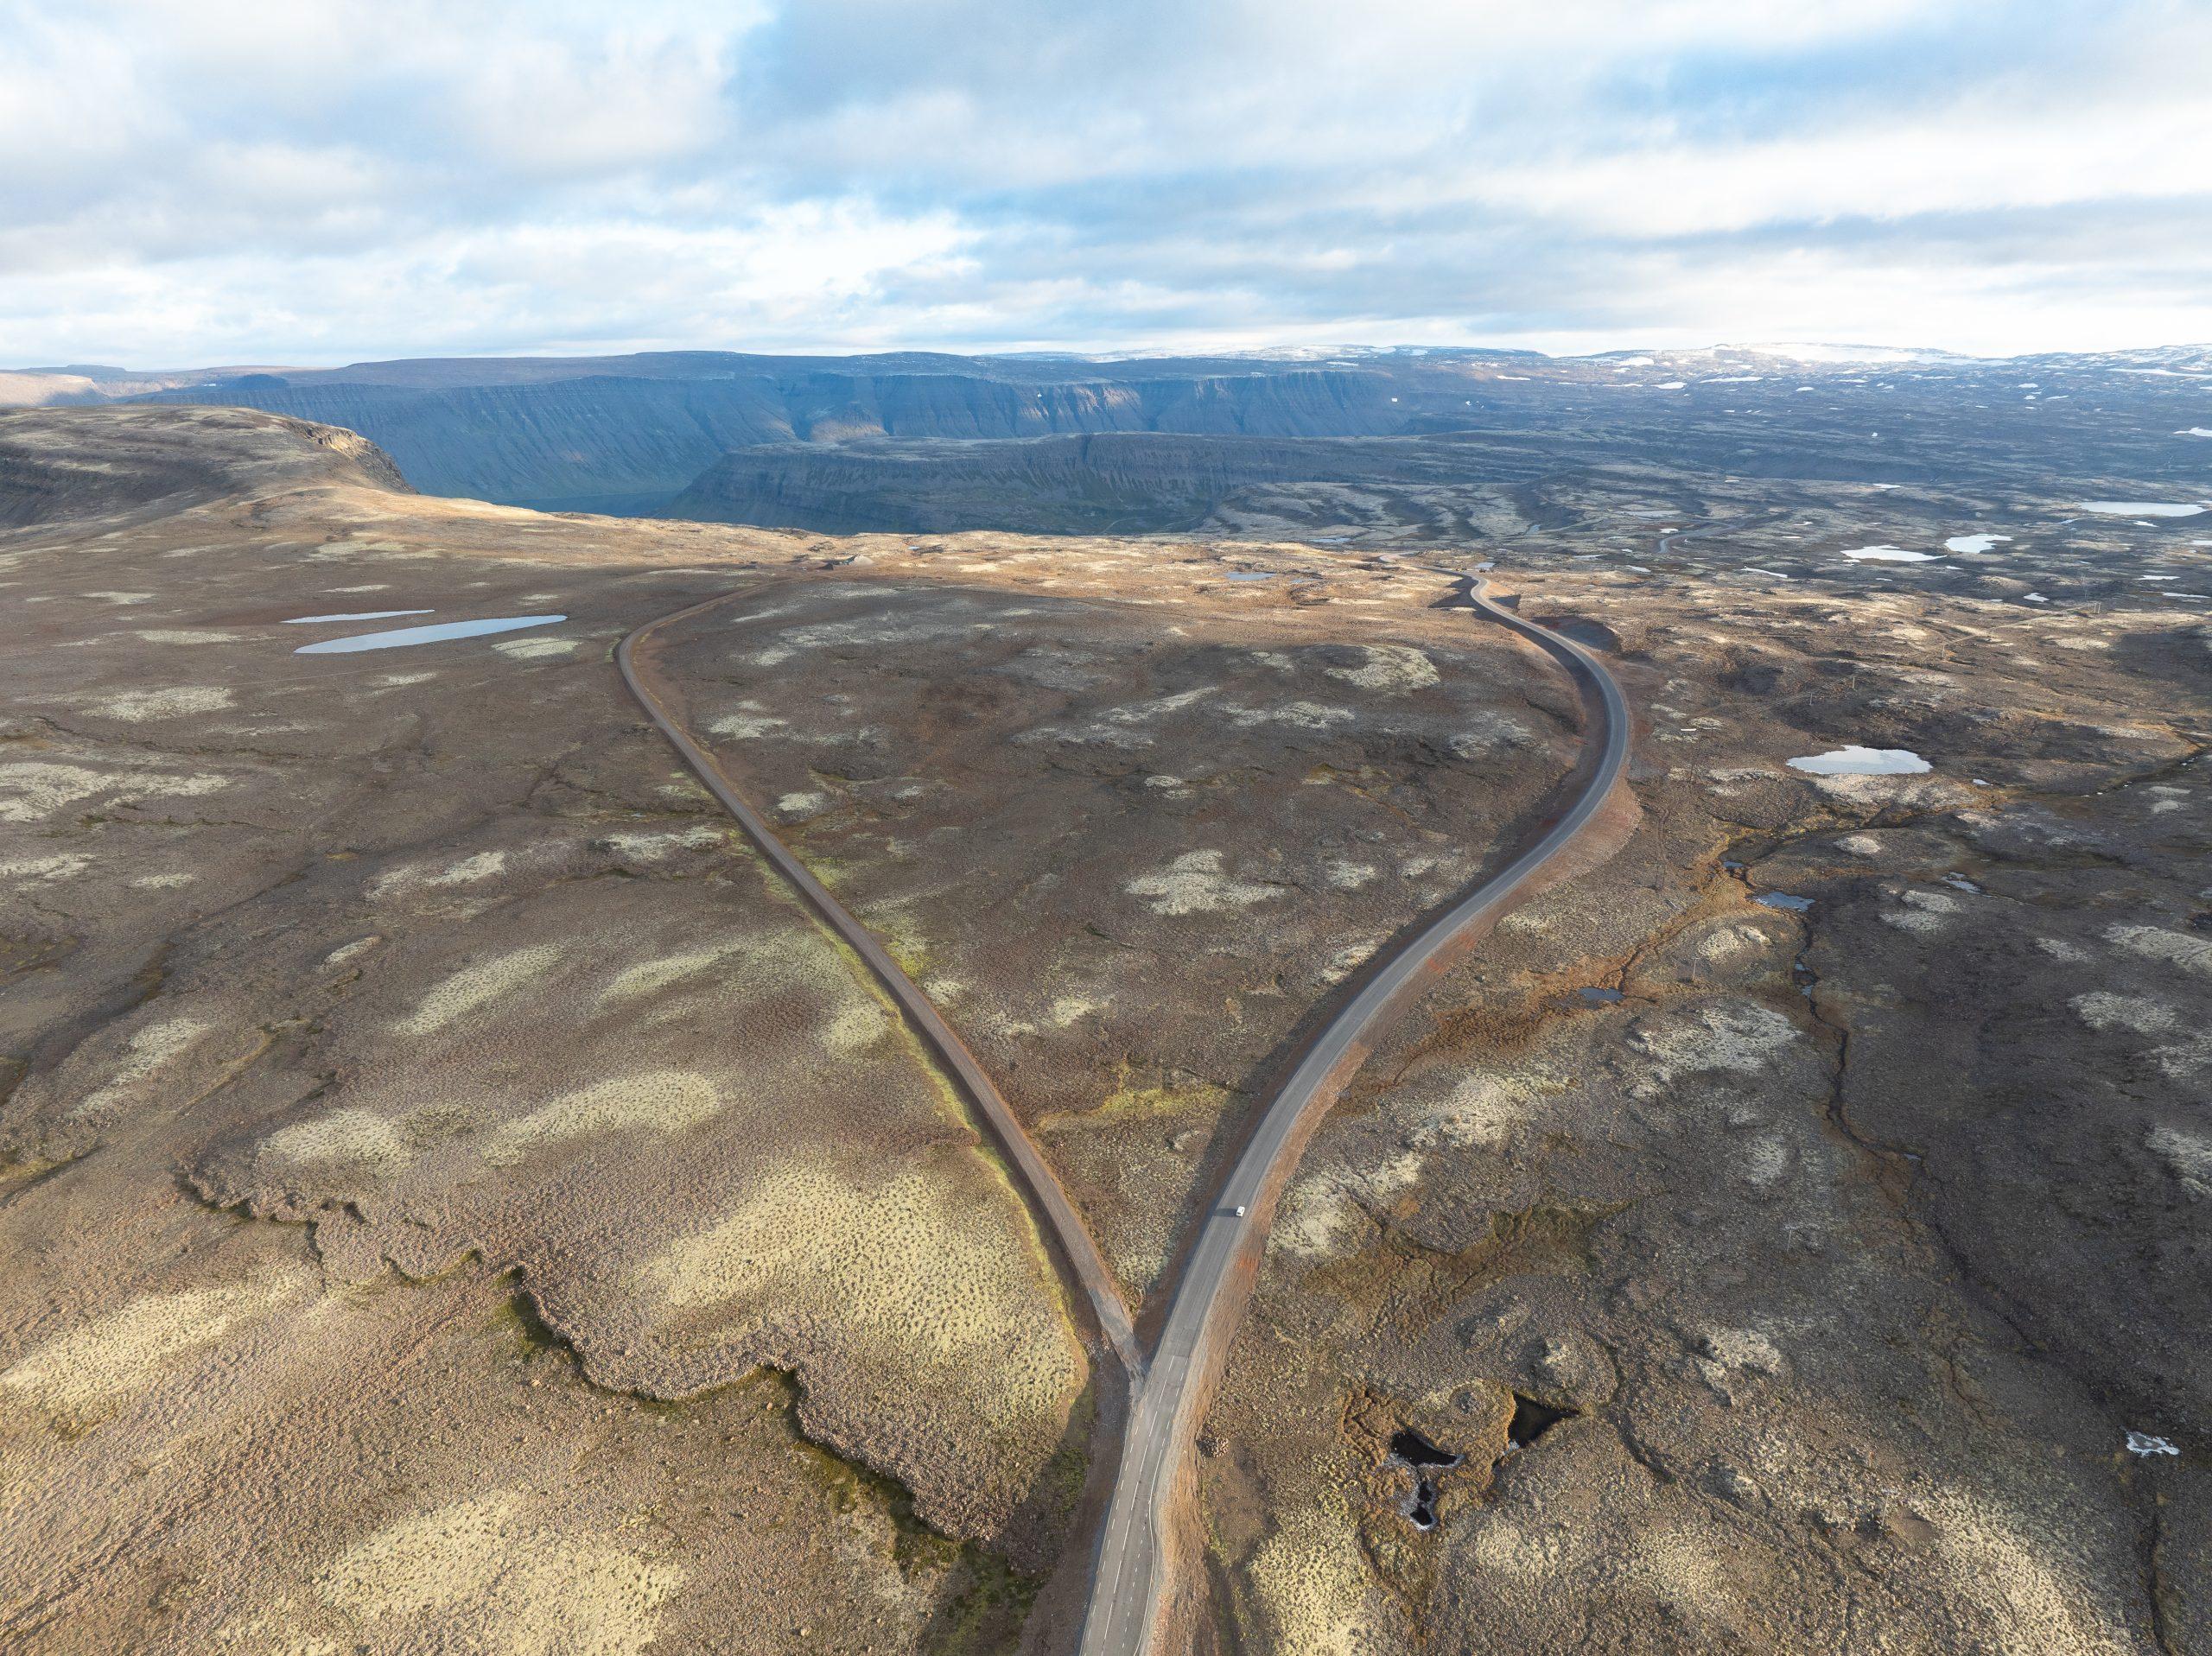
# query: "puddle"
1853, 761
1590, 994
1409, 1448
400, 637
1974, 543
1531, 1420
1888, 555
1782, 900
1251, 574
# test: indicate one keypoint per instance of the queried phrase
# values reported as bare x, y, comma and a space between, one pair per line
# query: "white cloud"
327, 179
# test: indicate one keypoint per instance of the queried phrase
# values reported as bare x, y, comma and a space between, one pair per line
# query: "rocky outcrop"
68, 463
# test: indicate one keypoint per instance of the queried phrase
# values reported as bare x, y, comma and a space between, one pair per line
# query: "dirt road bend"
1131, 1575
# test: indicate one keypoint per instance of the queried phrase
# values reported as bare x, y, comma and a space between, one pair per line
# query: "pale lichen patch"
1740, 1036
535, 648
478, 986
31, 789
1195, 884
182, 701
1314, 1584
148, 1052
2191, 953
348, 1138
2102, 1010
520, 1589
929, 1280
1392, 669
655, 1101
111, 1357
650, 977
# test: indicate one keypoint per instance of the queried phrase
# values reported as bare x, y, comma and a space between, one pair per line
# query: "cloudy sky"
193, 182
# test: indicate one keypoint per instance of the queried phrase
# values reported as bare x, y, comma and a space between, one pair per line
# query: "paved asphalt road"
1046, 1192
1129, 1578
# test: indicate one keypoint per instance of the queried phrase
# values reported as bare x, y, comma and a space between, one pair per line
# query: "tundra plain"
455, 1198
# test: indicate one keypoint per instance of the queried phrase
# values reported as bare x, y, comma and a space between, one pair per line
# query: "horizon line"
1901, 355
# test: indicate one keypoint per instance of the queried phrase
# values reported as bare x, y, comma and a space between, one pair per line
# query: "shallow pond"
400, 637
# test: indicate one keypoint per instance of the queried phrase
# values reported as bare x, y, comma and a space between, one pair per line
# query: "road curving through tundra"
1132, 1576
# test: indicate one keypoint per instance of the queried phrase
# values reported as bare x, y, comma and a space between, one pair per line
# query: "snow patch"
1855, 761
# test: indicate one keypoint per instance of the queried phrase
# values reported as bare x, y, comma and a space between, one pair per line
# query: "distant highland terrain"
1137, 481
1275, 442
625, 434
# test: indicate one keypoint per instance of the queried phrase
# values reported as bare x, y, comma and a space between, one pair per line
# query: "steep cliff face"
627, 443
839, 408
629, 435
1133, 481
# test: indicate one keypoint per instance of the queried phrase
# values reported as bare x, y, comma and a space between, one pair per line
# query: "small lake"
398, 638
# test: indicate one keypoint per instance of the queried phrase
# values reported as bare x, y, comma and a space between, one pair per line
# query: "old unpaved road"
1131, 1575
1109, 1313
